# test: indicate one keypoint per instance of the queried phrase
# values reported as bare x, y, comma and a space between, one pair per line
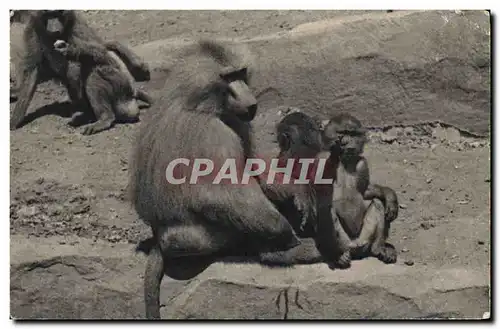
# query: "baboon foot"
344, 260
386, 254
359, 246
78, 119
97, 127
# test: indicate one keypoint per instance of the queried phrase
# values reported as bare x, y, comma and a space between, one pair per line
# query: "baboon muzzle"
54, 27
247, 103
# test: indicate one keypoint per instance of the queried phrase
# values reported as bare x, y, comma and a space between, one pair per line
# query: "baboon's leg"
152, 281
193, 240
134, 64
374, 230
345, 245
327, 235
28, 80
247, 210
125, 70
370, 226
99, 95
305, 253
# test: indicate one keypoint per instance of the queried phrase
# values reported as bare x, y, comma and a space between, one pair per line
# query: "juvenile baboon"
93, 78
307, 207
365, 210
207, 115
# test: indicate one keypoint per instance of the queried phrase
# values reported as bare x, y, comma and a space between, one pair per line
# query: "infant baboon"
207, 115
94, 79
299, 137
365, 210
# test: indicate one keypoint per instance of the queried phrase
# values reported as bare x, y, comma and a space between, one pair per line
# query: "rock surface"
404, 68
107, 284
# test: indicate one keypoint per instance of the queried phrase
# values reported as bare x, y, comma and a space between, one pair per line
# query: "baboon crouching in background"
95, 80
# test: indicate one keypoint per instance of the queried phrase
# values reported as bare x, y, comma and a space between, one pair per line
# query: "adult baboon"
365, 210
207, 115
94, 79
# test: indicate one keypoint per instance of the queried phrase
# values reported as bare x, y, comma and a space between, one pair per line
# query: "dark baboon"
95, 80
307, 207
207, 115
365, 210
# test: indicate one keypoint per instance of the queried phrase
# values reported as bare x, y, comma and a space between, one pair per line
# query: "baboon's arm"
383, 193
88, 52
387, 196
136, 66
374, 191
300, 194
27, 86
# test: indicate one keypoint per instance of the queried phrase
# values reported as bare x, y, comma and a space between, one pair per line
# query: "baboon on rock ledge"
207, 115
365, 210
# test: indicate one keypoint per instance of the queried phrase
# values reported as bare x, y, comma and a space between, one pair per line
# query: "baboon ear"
284, 141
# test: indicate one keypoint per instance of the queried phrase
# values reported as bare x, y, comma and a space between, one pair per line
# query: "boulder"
405, 67
92, 280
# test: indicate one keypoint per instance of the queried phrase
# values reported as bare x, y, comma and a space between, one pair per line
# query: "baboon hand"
386, 254
391, 211
61, 47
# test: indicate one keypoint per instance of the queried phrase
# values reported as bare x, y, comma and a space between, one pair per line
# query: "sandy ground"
66, 188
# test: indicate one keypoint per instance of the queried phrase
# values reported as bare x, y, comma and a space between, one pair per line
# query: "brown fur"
104, 88
195, 224
365, 210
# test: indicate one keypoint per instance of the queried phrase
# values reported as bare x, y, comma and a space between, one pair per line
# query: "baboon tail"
137, 68
143, 96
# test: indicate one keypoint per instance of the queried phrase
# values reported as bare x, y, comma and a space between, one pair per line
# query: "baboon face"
348, 132
53, 22
239, 99
352, 142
